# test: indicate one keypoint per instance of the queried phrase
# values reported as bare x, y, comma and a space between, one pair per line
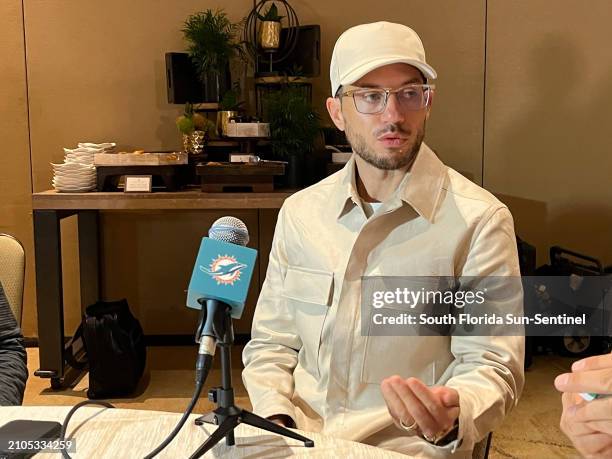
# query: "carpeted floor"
532, 428
530, 431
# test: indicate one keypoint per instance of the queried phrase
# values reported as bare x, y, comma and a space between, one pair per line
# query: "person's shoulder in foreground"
13, 357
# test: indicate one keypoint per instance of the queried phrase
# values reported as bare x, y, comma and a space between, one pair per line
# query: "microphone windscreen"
229, 229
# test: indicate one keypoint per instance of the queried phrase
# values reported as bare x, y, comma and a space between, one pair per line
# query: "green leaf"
271, 14
185, 124
273, 11
212, 40
294, 125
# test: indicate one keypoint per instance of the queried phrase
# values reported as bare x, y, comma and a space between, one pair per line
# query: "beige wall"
15, 181
548, 120
96, 72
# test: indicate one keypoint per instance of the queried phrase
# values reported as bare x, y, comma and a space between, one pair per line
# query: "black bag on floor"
115, 350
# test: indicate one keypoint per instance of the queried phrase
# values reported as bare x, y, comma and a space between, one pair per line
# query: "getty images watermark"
486, 306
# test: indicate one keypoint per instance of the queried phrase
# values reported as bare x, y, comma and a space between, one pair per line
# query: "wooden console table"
50, 207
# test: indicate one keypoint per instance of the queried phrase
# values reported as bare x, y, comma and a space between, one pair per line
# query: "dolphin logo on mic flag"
224, 269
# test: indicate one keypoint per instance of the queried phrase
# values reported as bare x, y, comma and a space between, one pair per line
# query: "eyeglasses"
371, 101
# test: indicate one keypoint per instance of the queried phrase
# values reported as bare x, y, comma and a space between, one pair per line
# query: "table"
123, 433
50, 207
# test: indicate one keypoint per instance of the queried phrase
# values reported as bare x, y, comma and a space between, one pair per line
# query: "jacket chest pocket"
422, 357
309, 294
407, 350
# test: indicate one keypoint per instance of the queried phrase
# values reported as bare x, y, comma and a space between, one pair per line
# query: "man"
588, 424
394, 210
13, 368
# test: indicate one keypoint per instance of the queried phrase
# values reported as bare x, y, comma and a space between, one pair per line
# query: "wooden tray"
256, 177
141, 159
171, 176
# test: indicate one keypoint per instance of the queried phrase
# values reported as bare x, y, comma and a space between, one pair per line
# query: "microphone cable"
179, 426
69, 415
203, 366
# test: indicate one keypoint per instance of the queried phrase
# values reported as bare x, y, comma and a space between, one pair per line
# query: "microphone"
220, 281
219, 284
223, 267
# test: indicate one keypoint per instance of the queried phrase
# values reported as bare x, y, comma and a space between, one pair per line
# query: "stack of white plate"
106, 147
77, 173
80, 155
74, 177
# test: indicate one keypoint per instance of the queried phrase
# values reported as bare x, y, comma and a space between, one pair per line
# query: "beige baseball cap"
366, 47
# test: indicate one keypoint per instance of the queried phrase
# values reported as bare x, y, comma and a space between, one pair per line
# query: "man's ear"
334, 108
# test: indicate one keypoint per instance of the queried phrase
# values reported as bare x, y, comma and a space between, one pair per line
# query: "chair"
12, 273
481, 449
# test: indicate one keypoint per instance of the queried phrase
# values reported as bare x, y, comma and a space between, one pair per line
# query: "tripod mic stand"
227, 415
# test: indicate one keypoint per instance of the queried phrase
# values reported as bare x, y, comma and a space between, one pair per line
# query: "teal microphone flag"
222, 272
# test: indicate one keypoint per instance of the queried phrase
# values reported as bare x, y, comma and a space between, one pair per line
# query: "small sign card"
138, 183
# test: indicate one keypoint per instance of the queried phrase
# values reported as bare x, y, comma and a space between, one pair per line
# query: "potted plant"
228, 108
212, 40
294, 126
195, 129
270, 27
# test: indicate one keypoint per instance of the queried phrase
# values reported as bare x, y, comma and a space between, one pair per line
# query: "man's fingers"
569, 398
433, 409
593, 445
597, 381
397, 408
601, 426
425, 418
415, 407
281, 419
571, 404
432, 402
598, 362
596, 410
574, 430
587, 423
448, 396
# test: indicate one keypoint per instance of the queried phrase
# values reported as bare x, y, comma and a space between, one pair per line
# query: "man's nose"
393, 112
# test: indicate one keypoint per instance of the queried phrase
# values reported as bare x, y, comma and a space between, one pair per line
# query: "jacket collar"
421, 188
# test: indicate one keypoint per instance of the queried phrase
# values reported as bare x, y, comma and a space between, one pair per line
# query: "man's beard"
381, 161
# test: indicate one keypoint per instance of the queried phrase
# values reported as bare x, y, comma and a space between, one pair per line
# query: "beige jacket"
308, 358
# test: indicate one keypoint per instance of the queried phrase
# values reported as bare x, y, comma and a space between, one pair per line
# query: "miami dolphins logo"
224, 269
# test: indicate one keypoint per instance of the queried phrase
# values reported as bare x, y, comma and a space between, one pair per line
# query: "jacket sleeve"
272, 354
488, 371
13, 357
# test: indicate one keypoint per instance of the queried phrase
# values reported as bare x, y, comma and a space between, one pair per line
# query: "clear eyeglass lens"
370, 101
374, 100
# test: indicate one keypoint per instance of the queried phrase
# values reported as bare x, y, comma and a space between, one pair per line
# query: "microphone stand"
227, 415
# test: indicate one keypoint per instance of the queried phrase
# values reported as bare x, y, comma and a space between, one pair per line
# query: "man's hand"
282, 420
434, 409
588, 424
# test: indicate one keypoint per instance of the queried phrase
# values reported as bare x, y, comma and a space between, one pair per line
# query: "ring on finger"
409, 428
434, 438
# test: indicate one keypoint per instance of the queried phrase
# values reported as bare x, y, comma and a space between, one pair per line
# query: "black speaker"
183, 84
306, 54
181, 80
